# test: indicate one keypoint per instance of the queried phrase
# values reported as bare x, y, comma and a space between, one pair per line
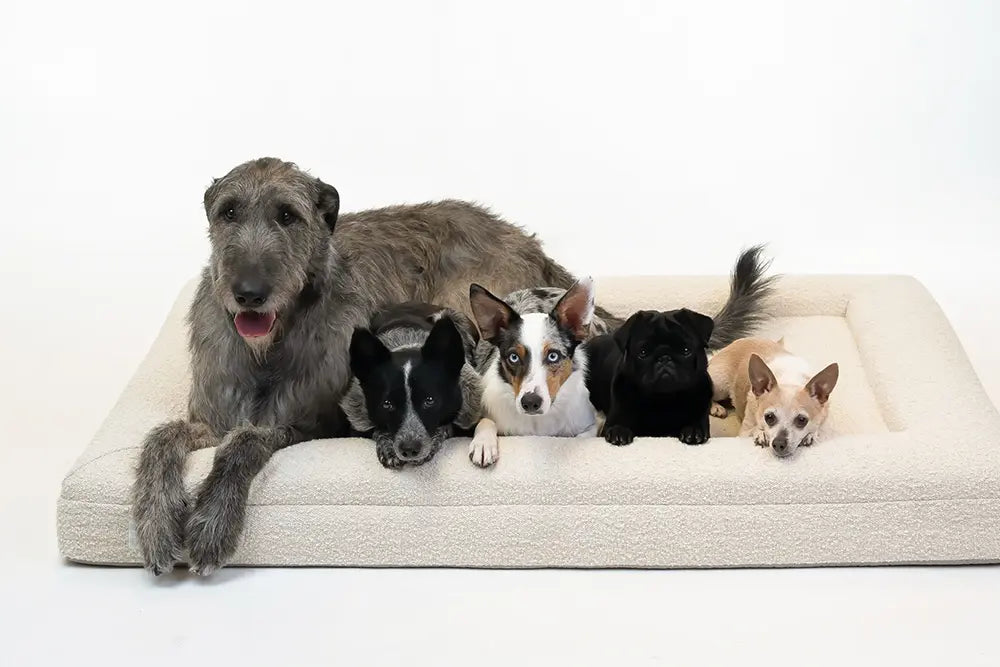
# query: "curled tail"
745, 309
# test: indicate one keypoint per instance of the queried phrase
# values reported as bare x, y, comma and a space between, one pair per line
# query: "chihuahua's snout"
780, 443
531, 403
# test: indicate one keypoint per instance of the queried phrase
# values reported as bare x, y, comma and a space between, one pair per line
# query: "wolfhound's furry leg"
216, 522
159, 500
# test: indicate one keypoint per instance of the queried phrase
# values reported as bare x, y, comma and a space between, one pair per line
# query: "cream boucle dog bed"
912, 476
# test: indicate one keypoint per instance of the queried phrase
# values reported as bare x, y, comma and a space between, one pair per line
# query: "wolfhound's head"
270, 226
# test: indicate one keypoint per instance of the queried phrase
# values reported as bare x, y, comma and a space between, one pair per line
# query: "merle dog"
286, 285
414, 384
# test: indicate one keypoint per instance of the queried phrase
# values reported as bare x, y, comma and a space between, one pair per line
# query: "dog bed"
911, 476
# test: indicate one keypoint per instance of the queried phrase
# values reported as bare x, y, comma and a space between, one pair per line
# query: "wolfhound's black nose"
251, 292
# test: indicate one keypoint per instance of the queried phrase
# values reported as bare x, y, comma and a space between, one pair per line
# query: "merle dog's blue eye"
553, 357
513, 357
387, 405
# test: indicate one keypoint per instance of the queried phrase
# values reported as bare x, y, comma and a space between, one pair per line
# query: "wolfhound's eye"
513, 357
387, 405
286, 218
770, 419
553, 357
801, 421
428, 401
230, 214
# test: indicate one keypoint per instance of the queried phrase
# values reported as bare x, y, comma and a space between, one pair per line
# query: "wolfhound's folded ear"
328, 202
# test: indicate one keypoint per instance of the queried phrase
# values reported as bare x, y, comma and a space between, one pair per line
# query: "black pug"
414, 384
650, 378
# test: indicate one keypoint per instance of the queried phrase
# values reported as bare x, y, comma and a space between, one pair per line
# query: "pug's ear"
700, 325
492, 314
621, 336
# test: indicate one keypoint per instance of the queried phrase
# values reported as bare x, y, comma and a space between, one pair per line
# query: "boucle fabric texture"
910, 472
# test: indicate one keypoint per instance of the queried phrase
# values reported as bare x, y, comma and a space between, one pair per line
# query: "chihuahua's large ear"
701, 325
575, 310
822, 384
621, 335
445, 345
492, 314
328, 203
762, 380
367, 352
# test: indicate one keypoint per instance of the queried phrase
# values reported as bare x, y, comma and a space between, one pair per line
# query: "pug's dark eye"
685, 352
643, 353
428, 401
801, 421
513, 357
388, 405
770, 419
229, 214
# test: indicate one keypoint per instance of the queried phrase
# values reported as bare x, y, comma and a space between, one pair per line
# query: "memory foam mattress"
911, 473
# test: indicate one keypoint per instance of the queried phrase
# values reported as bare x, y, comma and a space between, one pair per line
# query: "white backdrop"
633, 137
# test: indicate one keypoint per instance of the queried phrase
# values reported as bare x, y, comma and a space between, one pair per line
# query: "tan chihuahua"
778, 400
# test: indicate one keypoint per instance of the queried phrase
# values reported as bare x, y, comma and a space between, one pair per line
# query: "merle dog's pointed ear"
367, 352
623, 332
492, 314
328, 203
701, 325
445, 345
575, 310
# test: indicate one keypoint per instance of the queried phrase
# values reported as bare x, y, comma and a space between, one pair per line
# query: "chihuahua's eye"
388, 405
801, 421
513, 357
770, 419
428, 401
643, 353
229, 214
553, 357
286, 218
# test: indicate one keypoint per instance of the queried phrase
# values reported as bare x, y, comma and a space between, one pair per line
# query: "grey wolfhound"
270, 327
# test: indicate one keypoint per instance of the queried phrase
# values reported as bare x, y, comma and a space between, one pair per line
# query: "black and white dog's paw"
484, 449
387, 456
618, 435
696, 434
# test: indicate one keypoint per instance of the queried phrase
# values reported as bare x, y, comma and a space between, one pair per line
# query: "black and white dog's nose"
251, 293
531, 402
409, 448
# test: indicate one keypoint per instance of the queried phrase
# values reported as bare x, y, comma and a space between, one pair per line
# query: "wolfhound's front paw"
211, 539
484, 450
159, 531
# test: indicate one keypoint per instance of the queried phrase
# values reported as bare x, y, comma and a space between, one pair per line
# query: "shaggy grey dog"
270, 326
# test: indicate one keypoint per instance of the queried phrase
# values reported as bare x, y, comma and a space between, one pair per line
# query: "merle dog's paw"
484, 450
618, 435
694, 435
760, 438
387, 457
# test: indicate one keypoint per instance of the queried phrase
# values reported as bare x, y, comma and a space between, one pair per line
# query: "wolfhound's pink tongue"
253, 325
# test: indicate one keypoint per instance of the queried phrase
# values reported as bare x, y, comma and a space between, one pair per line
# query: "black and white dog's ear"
492, 314
445, 346
575, 310
367, 352
701, 325
621, 335
328, 203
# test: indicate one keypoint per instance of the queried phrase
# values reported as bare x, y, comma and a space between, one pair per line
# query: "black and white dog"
414, 386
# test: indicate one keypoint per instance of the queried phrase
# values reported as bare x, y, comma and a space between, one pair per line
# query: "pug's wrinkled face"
664, 351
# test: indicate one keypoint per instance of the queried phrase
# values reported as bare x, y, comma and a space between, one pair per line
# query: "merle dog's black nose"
251, 292
409, 448
531, 402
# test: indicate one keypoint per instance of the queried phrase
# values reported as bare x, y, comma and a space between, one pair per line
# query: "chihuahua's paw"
387, 457
694, 435
808, 440
618, 435
719, 410
484, 450
760, 438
